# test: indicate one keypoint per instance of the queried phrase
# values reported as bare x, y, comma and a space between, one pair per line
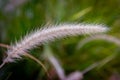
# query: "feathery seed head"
49, 34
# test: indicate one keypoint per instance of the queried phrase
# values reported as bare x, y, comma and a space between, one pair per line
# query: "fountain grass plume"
50, 33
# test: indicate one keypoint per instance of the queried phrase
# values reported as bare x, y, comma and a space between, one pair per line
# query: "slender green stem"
38, 61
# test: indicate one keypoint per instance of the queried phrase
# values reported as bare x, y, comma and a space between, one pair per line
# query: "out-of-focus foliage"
18, 17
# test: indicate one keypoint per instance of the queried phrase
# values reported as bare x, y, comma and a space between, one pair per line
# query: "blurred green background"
18, 17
